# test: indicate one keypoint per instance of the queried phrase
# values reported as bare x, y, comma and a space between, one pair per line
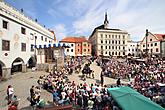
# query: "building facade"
152, 43
79, 46
109, 42
18, 36
132, 48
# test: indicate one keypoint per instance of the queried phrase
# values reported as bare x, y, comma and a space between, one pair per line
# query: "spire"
106, 22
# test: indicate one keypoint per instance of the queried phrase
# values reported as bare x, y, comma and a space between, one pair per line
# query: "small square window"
5, 45
23, 30
78, 50
42, 38
71, 50
72, 45
5, 24
67, 50
23, 46
157, 50
32, 47
88, 50
155, 44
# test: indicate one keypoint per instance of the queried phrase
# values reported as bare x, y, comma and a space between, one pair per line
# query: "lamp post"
146, 42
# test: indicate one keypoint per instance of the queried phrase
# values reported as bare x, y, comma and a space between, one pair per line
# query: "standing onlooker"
10, 92
102, 77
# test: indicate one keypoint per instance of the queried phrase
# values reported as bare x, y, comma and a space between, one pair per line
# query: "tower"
106, 22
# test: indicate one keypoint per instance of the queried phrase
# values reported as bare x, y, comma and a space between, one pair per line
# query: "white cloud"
60, 31
133, 16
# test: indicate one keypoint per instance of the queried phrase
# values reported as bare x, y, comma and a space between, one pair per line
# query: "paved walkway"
22, 83
97, 71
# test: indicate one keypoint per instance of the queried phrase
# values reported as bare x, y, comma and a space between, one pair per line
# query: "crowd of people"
144, 76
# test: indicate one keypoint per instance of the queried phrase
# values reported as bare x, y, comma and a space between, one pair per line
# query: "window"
105, 36
88, 45
119, 53
45, 39
106, 52
77, 44
116, 53
116, 47
88, 50
101, 47
123, 53
109, 53
72, 45
42, 38
71, 50
132, 50
123, 36
5, 45
123, 48
119, 36
112, 47
5, 24
119, 47
23, 30
151, 50
148, 45
112, 36
116, 42
109, 47
101, 35
157, 50
101, 41
128, 49
143, 45
151, 45
23, 46
116, 36
84, 50
109, 42
123, 42
32, 47
67, 50
155, 44
49, 41
150, 39
112, 53
119, 42
78, 50
84, 44
105, 47
106, 41
109, 36
112, 42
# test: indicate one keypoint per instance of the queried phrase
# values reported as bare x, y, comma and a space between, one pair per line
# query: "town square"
82, 55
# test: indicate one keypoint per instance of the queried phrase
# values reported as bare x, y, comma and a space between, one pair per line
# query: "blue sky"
80, 17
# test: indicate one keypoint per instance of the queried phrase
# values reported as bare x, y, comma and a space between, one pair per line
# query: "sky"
80, 17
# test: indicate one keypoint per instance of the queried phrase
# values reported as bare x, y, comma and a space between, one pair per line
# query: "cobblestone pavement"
97, 71
22, 83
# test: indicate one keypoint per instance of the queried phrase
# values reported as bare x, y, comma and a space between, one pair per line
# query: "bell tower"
106, 22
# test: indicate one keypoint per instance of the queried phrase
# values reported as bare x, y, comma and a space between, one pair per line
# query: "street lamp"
146, 42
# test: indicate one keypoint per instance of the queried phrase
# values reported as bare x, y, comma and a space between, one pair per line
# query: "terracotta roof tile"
74, 39
159, 36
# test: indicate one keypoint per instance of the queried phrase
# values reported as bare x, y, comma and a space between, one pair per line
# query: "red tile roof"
74, 39
159, 36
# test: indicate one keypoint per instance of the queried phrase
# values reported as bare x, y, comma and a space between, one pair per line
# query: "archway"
17, 65
31, 62
1, 65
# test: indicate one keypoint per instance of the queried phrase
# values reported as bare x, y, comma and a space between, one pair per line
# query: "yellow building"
107, 41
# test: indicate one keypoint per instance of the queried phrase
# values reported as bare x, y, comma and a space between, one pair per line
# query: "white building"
70, 51
18, 35
107, 41
132, 48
